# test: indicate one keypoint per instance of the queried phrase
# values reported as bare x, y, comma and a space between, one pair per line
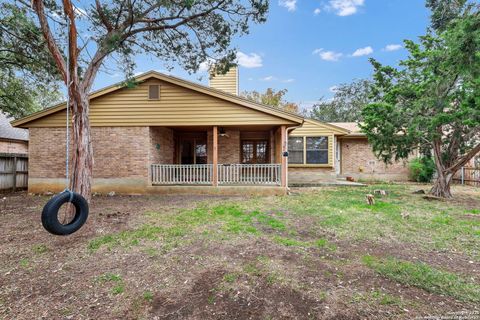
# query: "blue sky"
309, 46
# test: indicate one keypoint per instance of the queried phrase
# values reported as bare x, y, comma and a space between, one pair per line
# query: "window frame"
303, 150
330, 158
254, 151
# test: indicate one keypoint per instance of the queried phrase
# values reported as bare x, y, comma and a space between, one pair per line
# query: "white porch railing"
228, 174
249, 174
181, 173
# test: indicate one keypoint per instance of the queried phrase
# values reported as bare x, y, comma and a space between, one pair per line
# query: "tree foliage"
431, 101
347, 103
28, 77
272, 98
113, 33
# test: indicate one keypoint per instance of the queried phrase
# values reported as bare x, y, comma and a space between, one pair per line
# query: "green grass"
118, 289
40, 248
232, 218
344, 211
116, 279
426, 277
148, 296
109, 277
230, 277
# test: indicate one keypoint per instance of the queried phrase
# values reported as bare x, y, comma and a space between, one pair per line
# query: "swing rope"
67, 151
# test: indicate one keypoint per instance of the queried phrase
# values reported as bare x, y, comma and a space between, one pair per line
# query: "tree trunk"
441, 187
82, 157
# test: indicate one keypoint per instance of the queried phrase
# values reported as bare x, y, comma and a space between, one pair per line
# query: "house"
170, 135
12, 140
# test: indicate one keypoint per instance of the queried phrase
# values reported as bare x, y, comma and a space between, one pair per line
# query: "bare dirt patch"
206, 269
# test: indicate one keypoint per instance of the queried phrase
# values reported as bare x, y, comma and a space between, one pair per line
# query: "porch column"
283, 136
215, 157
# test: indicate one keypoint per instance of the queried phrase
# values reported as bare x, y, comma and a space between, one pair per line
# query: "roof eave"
178, 81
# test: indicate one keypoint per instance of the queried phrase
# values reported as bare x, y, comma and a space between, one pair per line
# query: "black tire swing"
50, 220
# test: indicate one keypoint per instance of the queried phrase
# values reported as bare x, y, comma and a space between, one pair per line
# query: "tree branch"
47, 34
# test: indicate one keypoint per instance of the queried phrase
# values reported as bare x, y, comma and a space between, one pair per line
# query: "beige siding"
316, 128
312, 128
177, 106
226, 82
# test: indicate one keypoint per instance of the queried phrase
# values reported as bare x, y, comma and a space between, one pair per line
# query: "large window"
317, 150
295, 150
255, 151
308, 150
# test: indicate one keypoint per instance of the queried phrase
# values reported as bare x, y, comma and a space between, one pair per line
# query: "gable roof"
9, 132
353, 127
175, 81
331, 125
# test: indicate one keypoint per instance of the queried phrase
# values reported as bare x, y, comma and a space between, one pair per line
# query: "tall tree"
347, 103
186, 32
445, 11
272, 98
28, 80
432, 101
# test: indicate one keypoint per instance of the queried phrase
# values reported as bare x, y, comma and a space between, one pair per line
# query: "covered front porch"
218, 156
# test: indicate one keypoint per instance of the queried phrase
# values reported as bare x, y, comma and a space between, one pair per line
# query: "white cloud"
205, 65
393, 47
333, 89
268, 78
345, 7
317, 11
80, 12
362, 52
288, 80
327, 55
291, 5
251, 60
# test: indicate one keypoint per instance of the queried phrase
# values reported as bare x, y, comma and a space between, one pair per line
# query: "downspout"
286, 149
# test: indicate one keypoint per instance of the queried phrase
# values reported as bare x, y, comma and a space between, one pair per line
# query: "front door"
193, 151
254, 151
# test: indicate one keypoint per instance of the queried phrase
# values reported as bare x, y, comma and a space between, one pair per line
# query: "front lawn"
319, 253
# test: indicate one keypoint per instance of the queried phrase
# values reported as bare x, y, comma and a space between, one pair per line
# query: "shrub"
422, 169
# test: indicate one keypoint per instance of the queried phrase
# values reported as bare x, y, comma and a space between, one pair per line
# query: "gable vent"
154, 92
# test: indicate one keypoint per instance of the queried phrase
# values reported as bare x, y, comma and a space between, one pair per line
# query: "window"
154, 92
254, 151
295, 150
308, 150
317, 150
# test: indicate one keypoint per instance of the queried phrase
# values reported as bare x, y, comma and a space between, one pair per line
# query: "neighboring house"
12, 140
171, 135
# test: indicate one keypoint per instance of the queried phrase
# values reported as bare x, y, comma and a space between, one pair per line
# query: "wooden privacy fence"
469, 176
13, 171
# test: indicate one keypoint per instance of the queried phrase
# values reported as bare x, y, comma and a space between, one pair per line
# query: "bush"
422, 169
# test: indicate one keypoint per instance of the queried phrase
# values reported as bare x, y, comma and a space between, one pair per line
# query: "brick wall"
228, 147
119, 152
358, 161
300, 176
163, 138
7, 146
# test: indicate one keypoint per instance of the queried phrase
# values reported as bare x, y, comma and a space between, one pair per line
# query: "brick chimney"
226, 82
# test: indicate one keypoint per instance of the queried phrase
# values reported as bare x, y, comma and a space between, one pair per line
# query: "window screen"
154, 92
295, 150
317, 150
